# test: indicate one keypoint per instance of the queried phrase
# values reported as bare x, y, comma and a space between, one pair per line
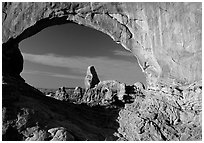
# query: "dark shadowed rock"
29, 115
91, 78
13, 60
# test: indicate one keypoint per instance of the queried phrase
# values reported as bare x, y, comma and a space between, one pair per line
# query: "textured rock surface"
77, 95
91, 78
163, 116
105, 93
170, 114
165, 37
61, 94
138, 86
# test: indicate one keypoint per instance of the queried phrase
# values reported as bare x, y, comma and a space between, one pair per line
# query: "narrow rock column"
91, 78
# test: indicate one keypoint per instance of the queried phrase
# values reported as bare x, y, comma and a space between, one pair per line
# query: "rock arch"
165, 37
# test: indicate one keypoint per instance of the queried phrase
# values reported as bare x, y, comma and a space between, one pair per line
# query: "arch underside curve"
141, 28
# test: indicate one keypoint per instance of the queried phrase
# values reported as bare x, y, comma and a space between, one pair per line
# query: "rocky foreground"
110, 110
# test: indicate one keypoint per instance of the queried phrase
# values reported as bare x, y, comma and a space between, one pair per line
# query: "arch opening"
59, 56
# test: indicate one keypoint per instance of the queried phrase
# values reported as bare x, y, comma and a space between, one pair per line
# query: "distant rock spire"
91, 78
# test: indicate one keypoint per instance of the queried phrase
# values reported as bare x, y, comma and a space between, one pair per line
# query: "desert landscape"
165, 38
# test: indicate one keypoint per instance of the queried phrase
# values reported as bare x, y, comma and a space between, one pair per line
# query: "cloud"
122, 53
51, 74
107, 68
74, 61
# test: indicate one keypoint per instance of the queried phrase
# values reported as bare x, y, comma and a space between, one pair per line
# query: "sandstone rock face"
105, 93
163, 116
91, 78
165, 37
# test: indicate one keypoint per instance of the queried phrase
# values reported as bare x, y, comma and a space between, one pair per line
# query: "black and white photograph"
101, 71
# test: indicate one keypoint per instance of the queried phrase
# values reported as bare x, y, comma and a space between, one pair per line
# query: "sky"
59, 56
